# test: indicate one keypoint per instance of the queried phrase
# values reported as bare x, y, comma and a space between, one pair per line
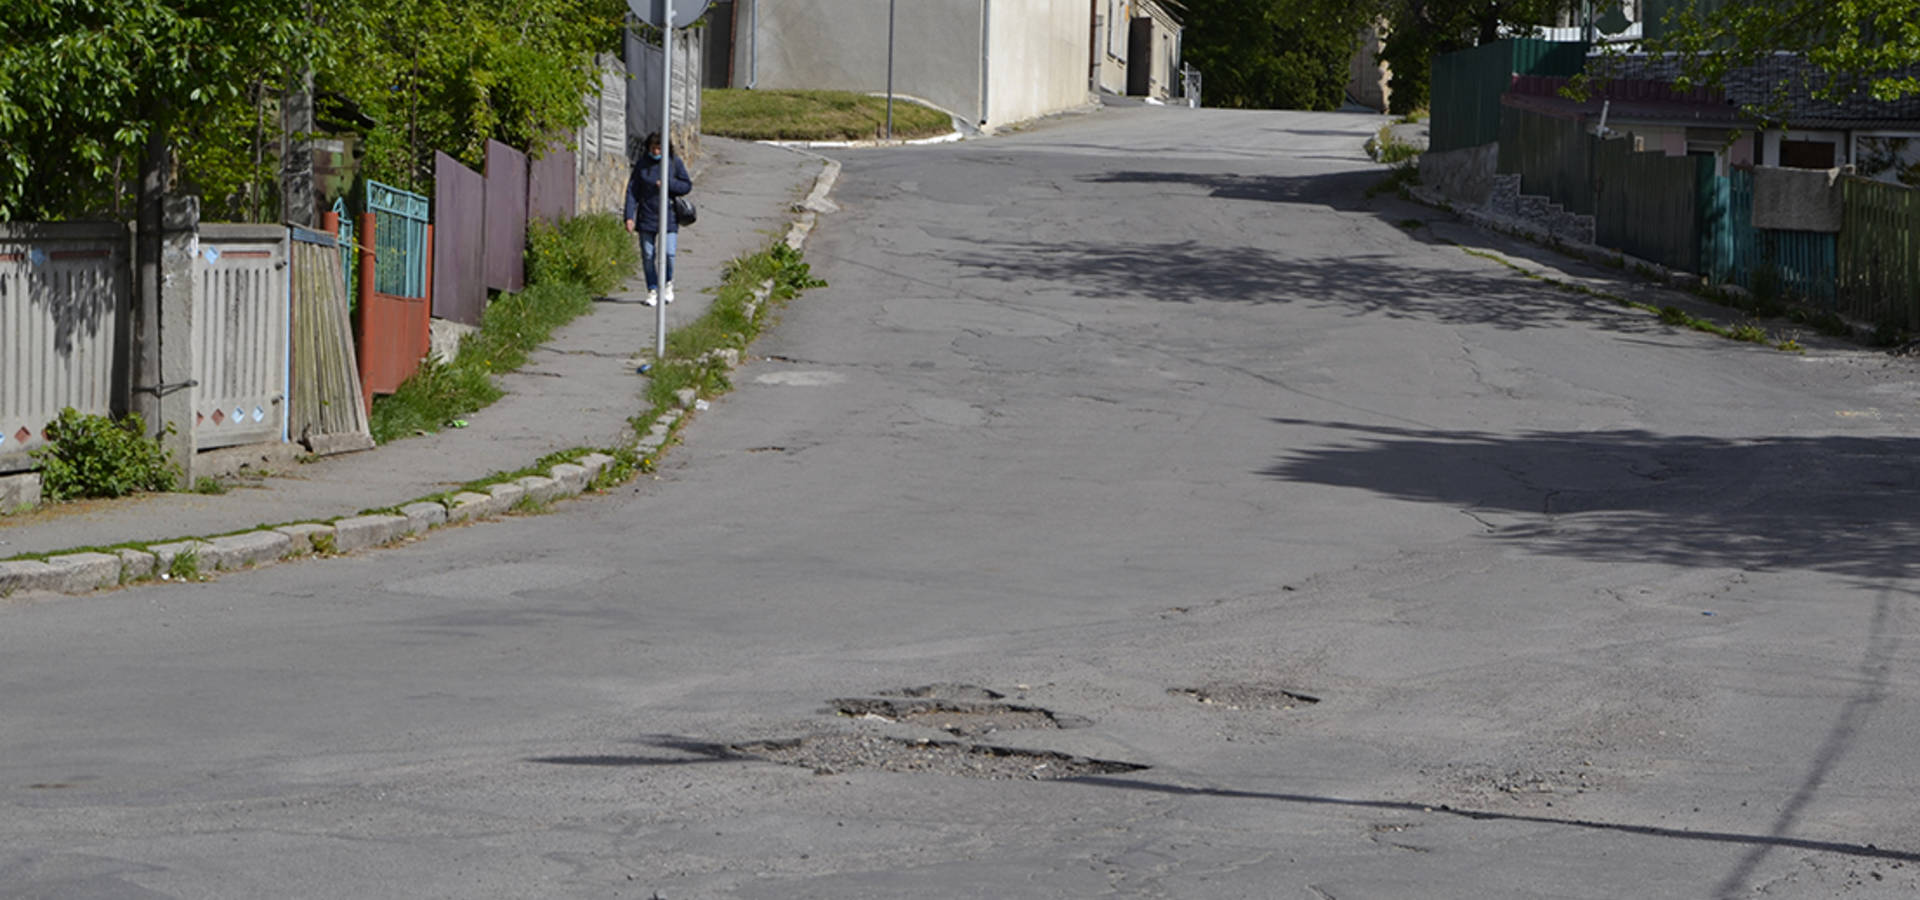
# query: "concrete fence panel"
65, 294
242, 327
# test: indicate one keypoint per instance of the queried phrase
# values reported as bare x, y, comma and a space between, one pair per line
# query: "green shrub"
593, 251
94, 456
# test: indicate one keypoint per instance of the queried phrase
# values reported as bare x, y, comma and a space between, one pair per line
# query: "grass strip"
814, 116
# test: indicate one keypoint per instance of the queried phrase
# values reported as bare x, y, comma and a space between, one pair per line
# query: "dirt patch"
1233, 695
836, 753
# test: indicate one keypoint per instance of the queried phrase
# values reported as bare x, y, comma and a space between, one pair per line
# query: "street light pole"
890, 5
666, 175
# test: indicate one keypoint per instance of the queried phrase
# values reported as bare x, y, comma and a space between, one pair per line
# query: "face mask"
655, 156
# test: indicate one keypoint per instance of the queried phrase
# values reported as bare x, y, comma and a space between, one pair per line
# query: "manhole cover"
960, 718
1247, 696
833, 754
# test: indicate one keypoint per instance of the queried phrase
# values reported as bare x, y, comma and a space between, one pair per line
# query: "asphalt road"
1112, 417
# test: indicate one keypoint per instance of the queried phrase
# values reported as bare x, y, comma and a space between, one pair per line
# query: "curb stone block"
542, 489
135, 564
469, 505
367, 531
80, 573
164, 555
574, 478
685, 397
505, 496
595, 463
303, 534
238, 551
25, 575
423, 515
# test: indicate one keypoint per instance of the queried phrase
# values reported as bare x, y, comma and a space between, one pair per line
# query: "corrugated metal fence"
1879, 258
65, 291
1467, 84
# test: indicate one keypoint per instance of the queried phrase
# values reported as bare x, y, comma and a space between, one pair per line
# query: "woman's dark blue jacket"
643, 194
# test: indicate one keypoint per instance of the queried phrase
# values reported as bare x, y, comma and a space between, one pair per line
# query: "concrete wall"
842, 45
1463, 176
1368, 78
1038, 58
1038, 52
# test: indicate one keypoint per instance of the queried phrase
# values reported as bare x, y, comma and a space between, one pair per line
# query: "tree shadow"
1762, 841
1834, 504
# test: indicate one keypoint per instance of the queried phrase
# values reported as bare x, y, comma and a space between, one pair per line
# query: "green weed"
94, 456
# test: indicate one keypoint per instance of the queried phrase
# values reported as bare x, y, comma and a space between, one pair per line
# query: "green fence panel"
1648, 204
399, 240
1466, 85
1553, 157
1879, 254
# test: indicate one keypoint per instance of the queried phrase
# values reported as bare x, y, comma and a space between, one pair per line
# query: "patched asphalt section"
833, 754
960, 718
1234, 695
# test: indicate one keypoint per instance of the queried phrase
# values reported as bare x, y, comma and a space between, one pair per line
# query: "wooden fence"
1646, 204
1798, 265
326, 413
1879, 254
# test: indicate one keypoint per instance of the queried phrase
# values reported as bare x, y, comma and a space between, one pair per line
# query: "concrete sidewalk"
577, 390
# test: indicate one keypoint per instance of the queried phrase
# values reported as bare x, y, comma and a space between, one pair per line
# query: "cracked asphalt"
1089, 416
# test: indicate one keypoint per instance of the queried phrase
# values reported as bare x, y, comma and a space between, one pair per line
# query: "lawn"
814, 116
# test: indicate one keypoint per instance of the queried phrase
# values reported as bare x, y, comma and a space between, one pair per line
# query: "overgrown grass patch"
814, 116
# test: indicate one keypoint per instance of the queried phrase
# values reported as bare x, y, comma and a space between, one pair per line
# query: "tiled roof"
1781, 85
1625, 99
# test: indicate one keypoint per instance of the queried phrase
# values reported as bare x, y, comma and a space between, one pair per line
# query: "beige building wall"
1037, 58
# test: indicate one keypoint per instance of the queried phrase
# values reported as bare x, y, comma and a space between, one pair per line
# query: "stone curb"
84, 572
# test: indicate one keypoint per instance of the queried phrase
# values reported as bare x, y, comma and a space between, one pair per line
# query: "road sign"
654, 12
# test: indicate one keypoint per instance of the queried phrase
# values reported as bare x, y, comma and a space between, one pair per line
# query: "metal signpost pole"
666, 175
890, 5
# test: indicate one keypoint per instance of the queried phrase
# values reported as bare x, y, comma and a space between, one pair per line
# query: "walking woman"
643, 212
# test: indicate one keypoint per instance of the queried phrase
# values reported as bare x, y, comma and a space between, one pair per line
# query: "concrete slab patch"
80, 573
25, 575
541, 489
361, 532
574, 478
19, 492
164, 555
135, 564
423, 515
239, 551
469, 505
306, 536
505, 496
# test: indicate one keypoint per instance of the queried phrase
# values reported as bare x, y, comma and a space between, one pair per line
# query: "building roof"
1624, 100
1781, 86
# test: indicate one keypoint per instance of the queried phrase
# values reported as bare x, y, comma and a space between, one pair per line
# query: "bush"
94, 456
593, 251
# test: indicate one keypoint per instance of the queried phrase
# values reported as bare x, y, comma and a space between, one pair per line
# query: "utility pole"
890, 7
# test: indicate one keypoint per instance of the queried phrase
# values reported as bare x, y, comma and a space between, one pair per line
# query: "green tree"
1419, 30
84, 83
449, 75
1275, 54
1870, 46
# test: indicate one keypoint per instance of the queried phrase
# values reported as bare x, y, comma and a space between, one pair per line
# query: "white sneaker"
668, 294
652, 298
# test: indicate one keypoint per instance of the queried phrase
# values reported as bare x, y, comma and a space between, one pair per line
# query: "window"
1807, 154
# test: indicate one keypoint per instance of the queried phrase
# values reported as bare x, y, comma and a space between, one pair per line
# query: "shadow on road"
1686, 834
1834, 504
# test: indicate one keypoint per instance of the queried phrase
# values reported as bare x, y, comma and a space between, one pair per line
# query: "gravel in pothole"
961, 718
1233, 695
947, 691
835, 753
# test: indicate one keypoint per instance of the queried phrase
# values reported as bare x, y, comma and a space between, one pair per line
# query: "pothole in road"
837, 753
960, 718
947, 691
1233, 695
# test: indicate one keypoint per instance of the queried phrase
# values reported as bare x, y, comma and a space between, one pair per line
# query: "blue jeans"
646, 254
